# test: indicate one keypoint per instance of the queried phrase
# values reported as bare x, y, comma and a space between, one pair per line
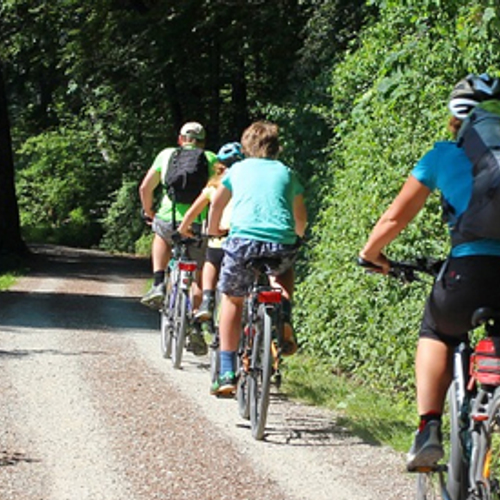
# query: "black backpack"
479, 136
186, 175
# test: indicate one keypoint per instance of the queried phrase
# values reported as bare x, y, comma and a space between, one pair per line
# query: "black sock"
158, 277
429, 417
286, 308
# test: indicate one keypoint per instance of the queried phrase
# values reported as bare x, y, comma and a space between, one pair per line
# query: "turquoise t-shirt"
447, 168
262, 191
165, 211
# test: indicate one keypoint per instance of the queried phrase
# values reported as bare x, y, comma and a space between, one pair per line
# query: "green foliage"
388, 107
60, 184
143, 244
122, 223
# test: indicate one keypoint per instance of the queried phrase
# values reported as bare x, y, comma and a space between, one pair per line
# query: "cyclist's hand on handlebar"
379, 264
147, 217
185, 232
219, 233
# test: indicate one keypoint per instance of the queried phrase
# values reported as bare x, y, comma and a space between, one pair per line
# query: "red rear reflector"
188, 266
270, 296
480, 417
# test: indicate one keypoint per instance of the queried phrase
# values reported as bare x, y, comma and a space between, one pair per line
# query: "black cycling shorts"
467, 284
214, 256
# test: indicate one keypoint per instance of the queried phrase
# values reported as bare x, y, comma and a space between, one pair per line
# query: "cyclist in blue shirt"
267, 219
469, 280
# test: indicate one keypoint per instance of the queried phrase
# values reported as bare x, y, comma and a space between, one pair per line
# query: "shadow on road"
88, 312
14, 458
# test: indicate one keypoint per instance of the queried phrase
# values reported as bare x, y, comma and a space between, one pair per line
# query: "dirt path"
90, 410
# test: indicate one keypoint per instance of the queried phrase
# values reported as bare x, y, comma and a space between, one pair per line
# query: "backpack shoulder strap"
168, 164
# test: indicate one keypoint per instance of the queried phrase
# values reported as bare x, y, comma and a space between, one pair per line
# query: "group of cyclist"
257, 205
256, 209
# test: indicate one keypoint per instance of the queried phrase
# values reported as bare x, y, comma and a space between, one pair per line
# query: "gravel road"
91, 411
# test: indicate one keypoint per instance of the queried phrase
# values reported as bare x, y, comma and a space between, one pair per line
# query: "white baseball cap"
194, 130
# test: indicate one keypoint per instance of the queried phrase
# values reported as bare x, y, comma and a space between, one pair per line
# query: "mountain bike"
176, 313
472, 471
259, 354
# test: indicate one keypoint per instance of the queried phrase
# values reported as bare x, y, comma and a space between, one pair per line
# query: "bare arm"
300, 215
194, 210
219, 202
403, 209
146, 190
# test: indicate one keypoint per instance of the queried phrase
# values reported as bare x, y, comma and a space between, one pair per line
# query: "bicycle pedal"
429, 468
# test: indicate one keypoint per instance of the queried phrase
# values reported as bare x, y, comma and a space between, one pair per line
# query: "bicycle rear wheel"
242, 362
488, 470
180, 327
457, 477
214, 342
260, 374
166, 323
214, 355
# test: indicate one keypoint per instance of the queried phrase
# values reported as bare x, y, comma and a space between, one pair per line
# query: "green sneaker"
225, 385
197, 344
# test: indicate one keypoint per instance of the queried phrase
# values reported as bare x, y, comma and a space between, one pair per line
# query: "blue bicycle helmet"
230, 153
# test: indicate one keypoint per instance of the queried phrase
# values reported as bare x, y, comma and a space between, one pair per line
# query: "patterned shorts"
235, 277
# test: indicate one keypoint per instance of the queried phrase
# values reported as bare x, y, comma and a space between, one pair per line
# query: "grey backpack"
479, 136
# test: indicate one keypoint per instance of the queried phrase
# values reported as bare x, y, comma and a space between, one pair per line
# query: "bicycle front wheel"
260, 373
180, 327
430, 486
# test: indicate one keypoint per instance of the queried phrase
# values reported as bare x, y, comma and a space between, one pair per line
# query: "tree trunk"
10, 232
239, 97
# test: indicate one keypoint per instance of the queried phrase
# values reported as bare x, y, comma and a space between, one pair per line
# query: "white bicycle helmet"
470, 91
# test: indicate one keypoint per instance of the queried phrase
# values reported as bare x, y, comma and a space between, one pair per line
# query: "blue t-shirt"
447, 168
262, 191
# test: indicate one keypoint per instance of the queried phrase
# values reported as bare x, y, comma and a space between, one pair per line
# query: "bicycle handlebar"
188, 240
407, 271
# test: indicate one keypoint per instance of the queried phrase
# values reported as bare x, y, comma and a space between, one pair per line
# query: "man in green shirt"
192, 135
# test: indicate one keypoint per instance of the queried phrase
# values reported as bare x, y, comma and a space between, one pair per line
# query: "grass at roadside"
7, 280
377, 418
